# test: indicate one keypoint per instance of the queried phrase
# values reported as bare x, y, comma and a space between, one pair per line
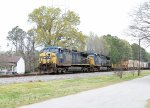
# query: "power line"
63, 4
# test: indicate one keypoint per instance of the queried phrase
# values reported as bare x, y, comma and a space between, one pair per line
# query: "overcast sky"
99, 16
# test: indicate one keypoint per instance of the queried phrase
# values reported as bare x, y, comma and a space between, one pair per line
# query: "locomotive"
54, 59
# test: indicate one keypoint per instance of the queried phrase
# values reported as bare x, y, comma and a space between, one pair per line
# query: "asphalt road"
129, 94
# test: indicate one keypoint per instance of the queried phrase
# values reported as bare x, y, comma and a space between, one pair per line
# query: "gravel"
12, 80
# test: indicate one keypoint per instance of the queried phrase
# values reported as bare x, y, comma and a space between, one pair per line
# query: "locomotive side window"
46, 50
53, 50
50, 50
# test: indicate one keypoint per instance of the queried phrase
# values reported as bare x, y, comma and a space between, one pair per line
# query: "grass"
14, 95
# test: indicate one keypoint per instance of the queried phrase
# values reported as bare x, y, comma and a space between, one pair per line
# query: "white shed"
20, 67
14, 64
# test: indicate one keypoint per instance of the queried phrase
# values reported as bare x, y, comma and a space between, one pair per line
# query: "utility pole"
139, 57
139, 68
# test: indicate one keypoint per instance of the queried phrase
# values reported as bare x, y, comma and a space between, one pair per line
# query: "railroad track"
40, 74
20, 75
38, 77
10, 79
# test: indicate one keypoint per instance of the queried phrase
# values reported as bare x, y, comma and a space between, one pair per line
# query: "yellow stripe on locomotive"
91, 60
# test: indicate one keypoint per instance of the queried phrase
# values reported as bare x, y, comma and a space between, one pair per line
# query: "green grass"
14, 95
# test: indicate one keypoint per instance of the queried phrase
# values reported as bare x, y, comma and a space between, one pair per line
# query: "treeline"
117, 49
52, 27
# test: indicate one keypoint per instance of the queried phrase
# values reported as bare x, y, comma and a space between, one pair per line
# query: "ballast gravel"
12, 80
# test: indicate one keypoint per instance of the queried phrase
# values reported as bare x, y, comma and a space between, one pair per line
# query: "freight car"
130, 65
55, 59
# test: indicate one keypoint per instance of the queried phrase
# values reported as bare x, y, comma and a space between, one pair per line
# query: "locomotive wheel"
64, 70
55, 70
86, 70
59, 70
99, 69
83, 69
91, 69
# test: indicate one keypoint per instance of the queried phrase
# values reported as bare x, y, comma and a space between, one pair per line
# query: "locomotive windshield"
50, 50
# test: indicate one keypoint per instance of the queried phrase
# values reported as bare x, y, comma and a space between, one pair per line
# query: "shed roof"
9, 60
7, 64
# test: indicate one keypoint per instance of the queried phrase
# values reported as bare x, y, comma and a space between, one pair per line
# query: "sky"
98, 16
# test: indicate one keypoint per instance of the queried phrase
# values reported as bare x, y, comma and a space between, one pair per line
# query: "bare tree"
30, 50
140, 24
17, 36
98, 44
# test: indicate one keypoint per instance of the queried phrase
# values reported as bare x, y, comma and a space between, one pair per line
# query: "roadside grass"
14, 95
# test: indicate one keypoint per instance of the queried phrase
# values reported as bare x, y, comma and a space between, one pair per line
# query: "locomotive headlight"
44, 57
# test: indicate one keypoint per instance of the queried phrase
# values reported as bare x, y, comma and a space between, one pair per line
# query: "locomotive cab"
47, 58
48, 55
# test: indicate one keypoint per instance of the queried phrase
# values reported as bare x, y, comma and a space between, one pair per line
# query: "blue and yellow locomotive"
55, 59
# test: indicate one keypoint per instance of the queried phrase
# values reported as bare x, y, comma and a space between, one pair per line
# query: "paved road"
129, 94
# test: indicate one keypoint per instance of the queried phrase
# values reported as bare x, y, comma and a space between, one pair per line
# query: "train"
54, 59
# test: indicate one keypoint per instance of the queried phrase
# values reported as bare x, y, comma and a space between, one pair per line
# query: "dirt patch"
148, 105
